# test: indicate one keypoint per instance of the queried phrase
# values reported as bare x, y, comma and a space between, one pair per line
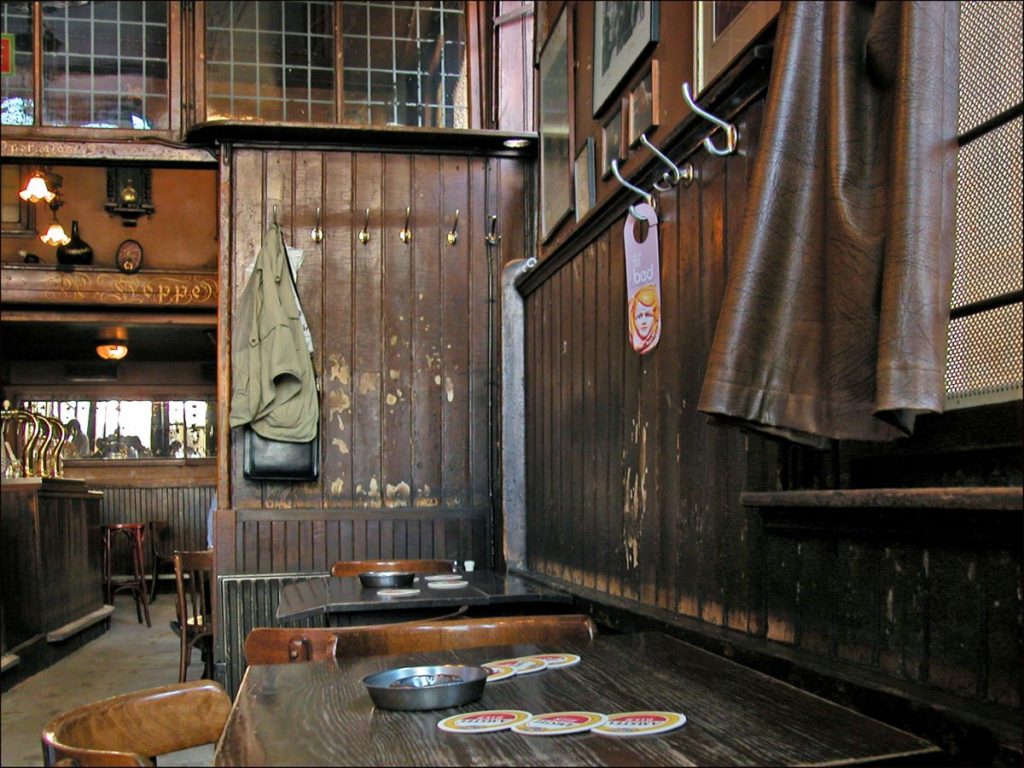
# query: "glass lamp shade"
37, 190
55, 235
113, 350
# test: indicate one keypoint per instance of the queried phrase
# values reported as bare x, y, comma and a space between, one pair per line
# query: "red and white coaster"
523, 665
397, 592
499, 671
557, 660
484, 722
560, 723
641, 723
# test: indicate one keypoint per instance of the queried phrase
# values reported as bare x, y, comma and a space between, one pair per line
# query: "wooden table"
318, 713
344, 596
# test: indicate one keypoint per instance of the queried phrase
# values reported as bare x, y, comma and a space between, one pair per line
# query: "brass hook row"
316, 234
38, 450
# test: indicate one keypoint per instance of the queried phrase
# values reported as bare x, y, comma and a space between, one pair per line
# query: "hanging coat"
273, 386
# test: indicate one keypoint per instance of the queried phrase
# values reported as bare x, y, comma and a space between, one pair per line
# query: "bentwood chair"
355, 567
281, 645
193, 576
133, 728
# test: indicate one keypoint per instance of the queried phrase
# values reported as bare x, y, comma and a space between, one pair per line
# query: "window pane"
16, 89
105, 65
416, 54
270, 60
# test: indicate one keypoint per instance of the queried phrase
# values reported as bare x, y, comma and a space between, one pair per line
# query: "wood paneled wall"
632, 495
183, 508
401, 336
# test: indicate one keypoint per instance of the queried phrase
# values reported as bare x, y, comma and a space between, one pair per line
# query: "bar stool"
161, 552
135, 532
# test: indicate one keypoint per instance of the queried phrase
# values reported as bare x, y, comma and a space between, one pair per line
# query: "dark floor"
127, 658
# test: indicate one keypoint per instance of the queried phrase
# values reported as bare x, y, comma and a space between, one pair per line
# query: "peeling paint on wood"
340, 371
341, 445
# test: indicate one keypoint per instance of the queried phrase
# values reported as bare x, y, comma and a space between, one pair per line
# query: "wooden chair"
355, 567
193, 575
281, 645
133, 728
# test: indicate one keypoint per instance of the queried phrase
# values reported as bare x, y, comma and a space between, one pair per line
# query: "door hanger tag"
643, 281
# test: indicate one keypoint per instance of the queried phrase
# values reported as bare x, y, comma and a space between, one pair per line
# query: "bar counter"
52, 588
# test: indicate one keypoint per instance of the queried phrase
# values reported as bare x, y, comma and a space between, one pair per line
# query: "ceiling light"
113, 350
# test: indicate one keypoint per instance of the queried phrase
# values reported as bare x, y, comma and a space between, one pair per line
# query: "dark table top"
345, 594
318, 713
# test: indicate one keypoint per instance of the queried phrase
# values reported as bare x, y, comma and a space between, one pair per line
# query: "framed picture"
644, 105
612, 145
723, 29
623, 32
555, 121
583, 174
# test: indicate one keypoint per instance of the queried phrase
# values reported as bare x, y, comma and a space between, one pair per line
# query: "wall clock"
129, 256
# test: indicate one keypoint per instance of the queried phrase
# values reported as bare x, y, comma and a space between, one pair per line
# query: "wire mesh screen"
984, 356
990, 60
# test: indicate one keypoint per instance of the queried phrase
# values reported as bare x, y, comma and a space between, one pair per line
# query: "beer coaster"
447, 584
557, 660
560, 723
499, 672
483, 722
523, 665
641, 723
397, 592
443, 577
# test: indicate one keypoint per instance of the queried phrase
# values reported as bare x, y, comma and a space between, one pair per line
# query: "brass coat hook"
316, 234
274, 215
453, 236
364, 233
732, 136
492, 238
404, 234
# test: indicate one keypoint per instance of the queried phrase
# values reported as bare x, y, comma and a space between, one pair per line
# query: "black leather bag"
266, 459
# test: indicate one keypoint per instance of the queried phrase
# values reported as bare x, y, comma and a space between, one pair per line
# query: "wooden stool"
161, 551
137, 581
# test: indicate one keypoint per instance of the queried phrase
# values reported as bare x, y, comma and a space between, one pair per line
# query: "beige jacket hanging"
273, 386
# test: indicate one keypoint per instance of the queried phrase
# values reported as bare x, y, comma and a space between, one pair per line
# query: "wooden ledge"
1000, 498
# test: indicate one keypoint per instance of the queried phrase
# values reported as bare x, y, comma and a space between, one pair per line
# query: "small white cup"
469, 565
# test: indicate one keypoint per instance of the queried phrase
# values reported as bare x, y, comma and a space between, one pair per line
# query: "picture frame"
644, 104
723, 28
624, 30
554, 121
583, 177
612, 139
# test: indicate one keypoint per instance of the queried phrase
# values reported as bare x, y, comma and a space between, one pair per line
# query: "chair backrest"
193, 577
355, 567
281, 645
131, 728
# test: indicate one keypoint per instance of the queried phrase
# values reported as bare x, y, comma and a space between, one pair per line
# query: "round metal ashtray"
433, 687
381, 579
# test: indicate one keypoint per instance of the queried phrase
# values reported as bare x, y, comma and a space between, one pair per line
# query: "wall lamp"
44, 186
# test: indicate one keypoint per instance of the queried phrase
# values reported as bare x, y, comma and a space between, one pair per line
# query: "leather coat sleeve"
834, 319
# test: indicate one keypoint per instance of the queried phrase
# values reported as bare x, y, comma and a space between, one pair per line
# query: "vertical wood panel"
605, 392
589, 498
482, 278
427, 385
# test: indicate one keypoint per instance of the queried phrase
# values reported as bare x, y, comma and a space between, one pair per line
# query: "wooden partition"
403, 333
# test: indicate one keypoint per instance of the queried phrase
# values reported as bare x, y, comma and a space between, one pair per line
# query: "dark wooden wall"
634, 499
183, 508
401, 336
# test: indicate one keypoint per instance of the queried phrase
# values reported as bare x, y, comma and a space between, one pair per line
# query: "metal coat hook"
732, 136
274, 216
405, 234
316, 234
364, 233
647, 196
675, 174
492, 238
453, 236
